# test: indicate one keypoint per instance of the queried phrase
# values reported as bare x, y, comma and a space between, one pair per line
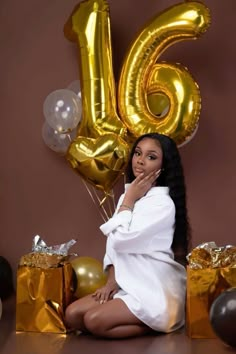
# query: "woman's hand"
106, 293
139, 187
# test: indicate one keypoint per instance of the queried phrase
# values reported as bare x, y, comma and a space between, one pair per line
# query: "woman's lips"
138, 170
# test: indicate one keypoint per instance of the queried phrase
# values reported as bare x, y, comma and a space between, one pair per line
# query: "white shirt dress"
152, 284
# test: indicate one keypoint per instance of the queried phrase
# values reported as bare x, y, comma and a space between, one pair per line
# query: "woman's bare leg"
113, 319
74, 315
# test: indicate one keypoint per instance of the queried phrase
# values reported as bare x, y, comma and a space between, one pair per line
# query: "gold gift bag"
203, 287
43, 292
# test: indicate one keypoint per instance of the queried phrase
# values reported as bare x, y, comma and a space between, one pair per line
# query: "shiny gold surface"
42, 260
99, 161
203, 287
141, 75
209, 255
42, 295
211, 271
89, 275
89, 26
99, 152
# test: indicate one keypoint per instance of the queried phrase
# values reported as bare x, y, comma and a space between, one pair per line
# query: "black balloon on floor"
223, 316
6, 279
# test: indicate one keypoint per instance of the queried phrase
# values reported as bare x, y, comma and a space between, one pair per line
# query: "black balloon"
6, 279
223, 316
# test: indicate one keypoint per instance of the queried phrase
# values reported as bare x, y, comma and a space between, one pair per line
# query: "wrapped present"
210, 271
44, 288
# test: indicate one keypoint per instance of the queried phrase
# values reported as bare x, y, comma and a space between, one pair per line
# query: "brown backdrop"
39, 192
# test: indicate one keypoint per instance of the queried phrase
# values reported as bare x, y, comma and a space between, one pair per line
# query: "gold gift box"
44, 289
211, 271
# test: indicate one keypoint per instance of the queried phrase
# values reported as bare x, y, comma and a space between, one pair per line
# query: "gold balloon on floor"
89, 275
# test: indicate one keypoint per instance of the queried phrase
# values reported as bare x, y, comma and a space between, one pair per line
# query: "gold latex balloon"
141, 77
99, 161
89, 25
89, 275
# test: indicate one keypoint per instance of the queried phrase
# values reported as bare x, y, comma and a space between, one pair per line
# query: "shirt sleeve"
149, 228
122, 218
106, 261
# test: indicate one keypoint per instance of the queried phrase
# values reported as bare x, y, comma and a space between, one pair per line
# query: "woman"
145, 290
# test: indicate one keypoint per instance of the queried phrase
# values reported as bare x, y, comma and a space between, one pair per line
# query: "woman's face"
147, 157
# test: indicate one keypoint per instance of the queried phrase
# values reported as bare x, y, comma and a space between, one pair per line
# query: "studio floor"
44, 343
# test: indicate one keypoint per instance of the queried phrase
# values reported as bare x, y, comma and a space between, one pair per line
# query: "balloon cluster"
62, 110
151, 96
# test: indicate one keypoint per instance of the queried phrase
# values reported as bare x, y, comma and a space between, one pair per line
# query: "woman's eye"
151, 157
137, 153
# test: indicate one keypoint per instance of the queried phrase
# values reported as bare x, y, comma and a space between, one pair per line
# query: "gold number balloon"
146, 88
141, 76
89, 24
182, 116
98, 154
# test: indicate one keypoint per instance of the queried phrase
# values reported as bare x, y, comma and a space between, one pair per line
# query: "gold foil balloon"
152, 96
142, 77
181, 118
89, 25
89, 275
99, 161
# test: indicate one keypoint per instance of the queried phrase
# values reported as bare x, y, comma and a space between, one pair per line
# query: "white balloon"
190, 137
62, 110
56, 141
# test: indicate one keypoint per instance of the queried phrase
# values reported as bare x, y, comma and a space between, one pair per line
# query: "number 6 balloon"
142, 76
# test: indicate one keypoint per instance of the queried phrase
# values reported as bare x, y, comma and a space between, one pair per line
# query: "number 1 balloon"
89, 25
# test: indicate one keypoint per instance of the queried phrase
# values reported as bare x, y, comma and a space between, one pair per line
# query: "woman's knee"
72, 315
94, 323
68, 315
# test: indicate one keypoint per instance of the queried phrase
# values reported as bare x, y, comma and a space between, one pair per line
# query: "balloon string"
92, 197
101, 202
105, 204
111, 203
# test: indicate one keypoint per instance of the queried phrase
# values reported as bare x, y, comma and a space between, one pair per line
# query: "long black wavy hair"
172, 176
